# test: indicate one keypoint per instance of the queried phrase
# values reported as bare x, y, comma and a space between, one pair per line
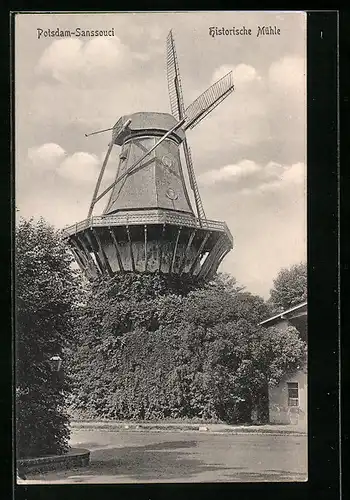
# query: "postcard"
161, 279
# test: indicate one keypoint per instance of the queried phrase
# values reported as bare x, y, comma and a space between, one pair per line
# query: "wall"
279, 412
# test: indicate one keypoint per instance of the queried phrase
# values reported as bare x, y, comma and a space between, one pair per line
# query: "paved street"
129, 457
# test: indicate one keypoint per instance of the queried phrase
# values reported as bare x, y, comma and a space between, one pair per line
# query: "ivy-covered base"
147, 348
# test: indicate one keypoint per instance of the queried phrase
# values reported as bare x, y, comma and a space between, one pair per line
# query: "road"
143, 457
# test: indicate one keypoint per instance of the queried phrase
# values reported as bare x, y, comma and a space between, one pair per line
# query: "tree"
274, 352
47, 294
290, 286
199, 354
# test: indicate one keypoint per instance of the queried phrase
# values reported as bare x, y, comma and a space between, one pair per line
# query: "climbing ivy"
151, 348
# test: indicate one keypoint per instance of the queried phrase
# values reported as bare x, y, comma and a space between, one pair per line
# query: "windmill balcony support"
148, 245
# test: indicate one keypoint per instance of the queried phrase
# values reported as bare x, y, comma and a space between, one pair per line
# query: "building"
288, 400
149, 224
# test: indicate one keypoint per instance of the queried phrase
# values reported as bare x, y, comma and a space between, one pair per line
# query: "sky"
249, 154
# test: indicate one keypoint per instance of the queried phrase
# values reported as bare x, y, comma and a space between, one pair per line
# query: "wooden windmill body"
149, 224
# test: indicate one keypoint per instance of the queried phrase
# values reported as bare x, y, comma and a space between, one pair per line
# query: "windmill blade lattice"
174, 82
178, 111
193, 182
207, 101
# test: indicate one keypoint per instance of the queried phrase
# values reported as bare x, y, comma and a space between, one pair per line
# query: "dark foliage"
46, 292
145, 352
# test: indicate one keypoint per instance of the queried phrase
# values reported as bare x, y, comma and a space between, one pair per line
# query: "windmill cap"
146, 123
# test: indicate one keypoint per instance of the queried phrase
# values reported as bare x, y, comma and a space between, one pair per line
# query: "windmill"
149, 224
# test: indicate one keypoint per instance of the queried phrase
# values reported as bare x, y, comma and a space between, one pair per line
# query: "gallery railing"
147, 217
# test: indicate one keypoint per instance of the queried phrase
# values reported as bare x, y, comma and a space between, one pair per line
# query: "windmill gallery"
149, 224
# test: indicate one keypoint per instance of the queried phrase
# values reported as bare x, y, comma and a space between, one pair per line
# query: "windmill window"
293, 393
124, 154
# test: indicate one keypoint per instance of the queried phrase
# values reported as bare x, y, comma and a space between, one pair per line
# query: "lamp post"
55, 363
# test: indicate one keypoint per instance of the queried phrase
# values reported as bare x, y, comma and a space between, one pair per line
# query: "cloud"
97, 107
72, 61
77, 167
265, 113
46, 155
292, 176
266, 213
295, 174
80, 167
242, 73
287, 75
244, 168
250, 177
59, 185
241, 121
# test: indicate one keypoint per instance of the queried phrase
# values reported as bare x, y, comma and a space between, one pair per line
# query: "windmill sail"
178, 111
174, 82
207, 101
193, 182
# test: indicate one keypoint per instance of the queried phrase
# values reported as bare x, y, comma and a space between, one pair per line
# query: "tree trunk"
263, 406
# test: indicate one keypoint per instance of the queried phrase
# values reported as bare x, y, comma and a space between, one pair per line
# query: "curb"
121, 427
76, 457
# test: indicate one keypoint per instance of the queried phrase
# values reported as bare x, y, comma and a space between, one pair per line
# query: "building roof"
299, 310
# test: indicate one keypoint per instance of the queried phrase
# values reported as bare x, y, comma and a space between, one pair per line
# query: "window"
293, 394
124, 154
